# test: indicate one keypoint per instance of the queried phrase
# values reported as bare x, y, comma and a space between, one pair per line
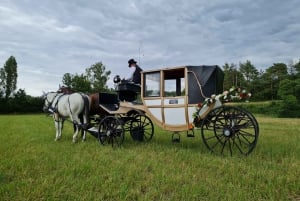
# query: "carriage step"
190, 133
176, 137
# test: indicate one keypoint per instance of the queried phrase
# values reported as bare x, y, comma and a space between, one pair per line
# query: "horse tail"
86, 109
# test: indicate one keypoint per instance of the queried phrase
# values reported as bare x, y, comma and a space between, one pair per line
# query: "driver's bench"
128, 91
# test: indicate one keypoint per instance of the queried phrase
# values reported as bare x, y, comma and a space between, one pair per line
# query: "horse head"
48, 100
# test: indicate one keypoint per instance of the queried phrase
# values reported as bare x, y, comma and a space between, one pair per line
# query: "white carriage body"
169, 95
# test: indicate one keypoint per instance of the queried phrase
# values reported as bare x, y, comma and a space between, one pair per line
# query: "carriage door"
151, 93
174, 100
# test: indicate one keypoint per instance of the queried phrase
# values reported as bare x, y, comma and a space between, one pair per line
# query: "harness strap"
53, 106
70, 106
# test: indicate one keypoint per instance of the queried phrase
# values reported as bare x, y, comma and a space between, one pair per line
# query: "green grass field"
35, 167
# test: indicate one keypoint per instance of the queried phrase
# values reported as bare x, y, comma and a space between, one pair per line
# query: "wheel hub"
108, 133
227, 132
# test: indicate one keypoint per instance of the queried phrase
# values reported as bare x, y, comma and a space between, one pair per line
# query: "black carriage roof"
203, 72
191, 67
211, 80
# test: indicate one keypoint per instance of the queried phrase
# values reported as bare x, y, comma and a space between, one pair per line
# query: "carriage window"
174, 87
174, 83
152, 84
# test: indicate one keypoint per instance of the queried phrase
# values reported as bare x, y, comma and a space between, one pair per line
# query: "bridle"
48, 103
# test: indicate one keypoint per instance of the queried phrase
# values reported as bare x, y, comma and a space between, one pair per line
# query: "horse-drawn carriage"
170, 98
179, 99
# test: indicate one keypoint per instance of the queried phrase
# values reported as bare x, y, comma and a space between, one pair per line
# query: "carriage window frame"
152, 81
178, 78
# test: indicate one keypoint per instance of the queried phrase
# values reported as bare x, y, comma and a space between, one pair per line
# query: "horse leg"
75, 122
75, 135
61, 128
85, 116
58, 127
56, 123
81, 120
83, 129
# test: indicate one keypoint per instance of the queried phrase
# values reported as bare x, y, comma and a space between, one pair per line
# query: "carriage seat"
128, 91
109, 100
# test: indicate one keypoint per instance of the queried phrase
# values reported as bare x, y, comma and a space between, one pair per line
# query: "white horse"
68, 105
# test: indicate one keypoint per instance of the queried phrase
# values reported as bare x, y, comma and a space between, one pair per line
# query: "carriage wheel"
141, 128
111, 131
127, 119
228, 130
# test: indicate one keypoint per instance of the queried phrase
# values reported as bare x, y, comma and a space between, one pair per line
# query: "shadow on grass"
163, 140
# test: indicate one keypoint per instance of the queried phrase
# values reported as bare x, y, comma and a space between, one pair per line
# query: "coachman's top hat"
131, 61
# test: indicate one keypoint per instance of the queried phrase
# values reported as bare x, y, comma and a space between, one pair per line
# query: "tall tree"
93, 80
98, 77
232, 76
278, 71
67, 80
81, 83
286, 87
297, 88
259, 87
77, 82
297, 68
2, 82
9, 75
292, 71
273, 76
250, 74
249, 71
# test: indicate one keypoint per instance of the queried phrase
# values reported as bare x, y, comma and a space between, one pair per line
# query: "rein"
52, 108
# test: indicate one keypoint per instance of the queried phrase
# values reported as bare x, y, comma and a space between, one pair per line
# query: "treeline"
20, 102
279, 84
12, 101
94, 79
275, 83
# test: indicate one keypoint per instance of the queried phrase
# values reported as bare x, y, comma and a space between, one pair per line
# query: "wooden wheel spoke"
238, 147
215, 136
244, 133
244, 140
222, 150
141, 128
230, 148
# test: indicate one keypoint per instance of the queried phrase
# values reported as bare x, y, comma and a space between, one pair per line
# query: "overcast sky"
53, 37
